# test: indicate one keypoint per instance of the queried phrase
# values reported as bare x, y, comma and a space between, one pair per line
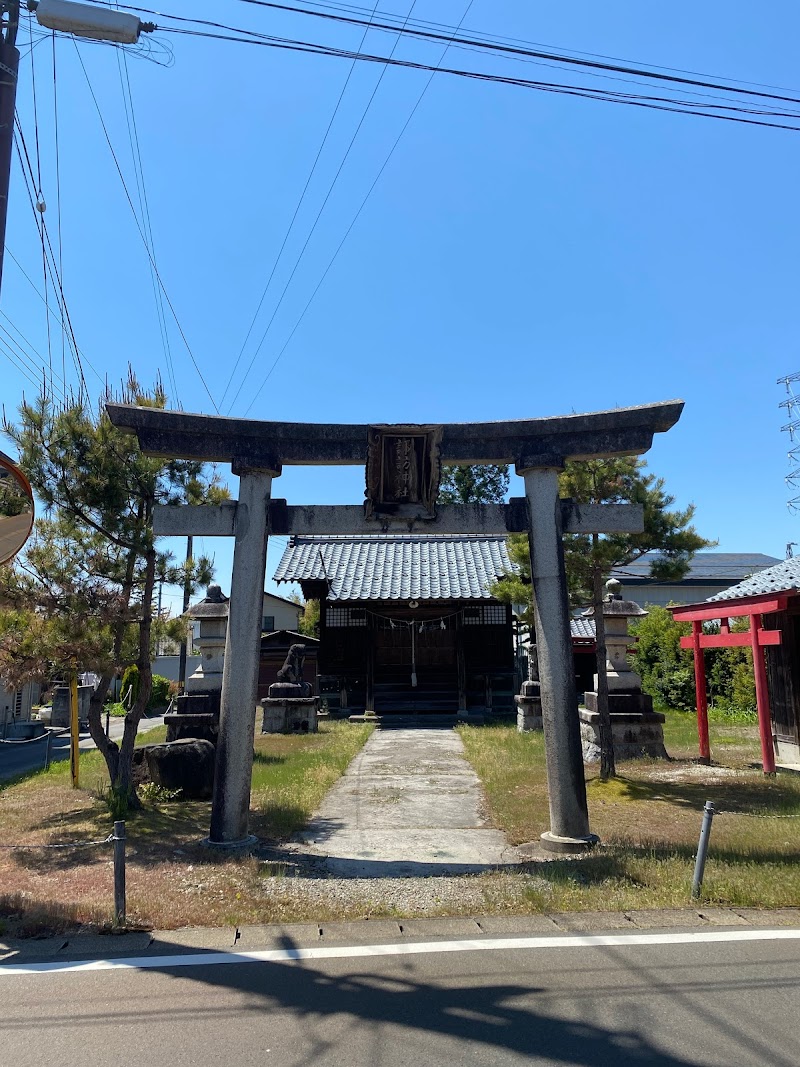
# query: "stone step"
422, 720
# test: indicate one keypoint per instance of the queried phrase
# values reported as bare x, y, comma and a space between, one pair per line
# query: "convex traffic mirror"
16, 510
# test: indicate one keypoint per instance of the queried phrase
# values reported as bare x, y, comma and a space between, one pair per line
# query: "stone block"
529, 711
517, 925
289, 715
634, 736
631, 703
184, 725
591, 922
187, 765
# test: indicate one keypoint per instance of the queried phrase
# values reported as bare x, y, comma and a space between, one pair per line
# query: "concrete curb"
85, 945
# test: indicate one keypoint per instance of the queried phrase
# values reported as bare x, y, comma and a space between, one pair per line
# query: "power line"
141, 232
297, 210
541, 52
25, 357
50, 267
478, 34
355, 218
7, 352
311, 232
49, 309
58, 198
138, 170
674, 105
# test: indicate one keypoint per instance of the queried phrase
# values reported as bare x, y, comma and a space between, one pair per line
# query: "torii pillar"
230, 804
566, 787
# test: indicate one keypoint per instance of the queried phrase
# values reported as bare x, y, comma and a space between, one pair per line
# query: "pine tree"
484, 483
82, 592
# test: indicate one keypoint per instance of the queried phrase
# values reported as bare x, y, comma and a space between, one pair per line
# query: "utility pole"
160, 592
9, 67
187, 592
80, 20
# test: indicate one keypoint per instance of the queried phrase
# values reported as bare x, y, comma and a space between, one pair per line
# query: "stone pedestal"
289, 715
529, 707
196, 715
636, 730
633, 735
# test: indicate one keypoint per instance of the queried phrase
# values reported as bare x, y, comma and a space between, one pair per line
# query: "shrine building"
407, 622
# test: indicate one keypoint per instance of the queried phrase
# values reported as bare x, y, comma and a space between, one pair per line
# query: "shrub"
130, 680
667, 670
159, 694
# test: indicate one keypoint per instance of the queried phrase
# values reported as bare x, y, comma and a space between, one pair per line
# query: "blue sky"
523, 254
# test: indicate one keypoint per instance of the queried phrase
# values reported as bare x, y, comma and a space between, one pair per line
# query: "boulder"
140, 774
187, 765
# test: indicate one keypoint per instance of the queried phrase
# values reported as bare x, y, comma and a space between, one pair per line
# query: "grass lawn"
648, 820
172, 880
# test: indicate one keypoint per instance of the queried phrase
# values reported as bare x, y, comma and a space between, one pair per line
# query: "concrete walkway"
408, 804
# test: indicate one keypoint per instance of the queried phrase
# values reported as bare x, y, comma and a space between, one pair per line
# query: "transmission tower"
792, 427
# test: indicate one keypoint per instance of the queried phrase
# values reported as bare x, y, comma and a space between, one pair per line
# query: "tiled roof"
783, 576
704, 567
397, 566
582, 628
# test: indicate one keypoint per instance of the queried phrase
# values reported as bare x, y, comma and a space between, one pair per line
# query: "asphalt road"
13, 533
22, 757
559, 1001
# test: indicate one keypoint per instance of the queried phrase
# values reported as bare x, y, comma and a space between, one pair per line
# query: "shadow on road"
508, 1016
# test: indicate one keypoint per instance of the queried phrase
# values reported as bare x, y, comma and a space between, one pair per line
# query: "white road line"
549, 942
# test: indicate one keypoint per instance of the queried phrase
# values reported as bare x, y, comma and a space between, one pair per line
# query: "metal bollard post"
119, 874
702, 849
47, 749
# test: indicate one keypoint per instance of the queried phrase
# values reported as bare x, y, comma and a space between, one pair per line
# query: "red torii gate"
753, 608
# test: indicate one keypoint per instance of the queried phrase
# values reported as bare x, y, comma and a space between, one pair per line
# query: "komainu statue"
291, 673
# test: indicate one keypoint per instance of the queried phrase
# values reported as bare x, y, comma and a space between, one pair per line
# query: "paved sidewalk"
408, 804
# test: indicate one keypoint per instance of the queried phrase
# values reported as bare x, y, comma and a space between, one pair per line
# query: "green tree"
82, 592
309, 623
666, 669
485, 483
589, 558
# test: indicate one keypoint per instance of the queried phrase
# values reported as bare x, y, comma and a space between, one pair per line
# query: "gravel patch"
406, 896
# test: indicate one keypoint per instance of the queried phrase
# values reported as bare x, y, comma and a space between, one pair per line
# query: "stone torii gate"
403, 464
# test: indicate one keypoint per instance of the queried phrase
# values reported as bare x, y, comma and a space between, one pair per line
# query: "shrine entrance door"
415, 664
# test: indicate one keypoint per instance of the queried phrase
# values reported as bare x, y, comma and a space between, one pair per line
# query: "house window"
268, 624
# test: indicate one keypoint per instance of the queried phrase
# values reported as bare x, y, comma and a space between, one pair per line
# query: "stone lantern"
636, 729
212, 614
196, 712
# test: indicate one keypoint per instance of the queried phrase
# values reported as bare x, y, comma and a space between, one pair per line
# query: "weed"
158, 793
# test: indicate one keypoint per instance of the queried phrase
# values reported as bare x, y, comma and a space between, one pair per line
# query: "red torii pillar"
754, 608
757, 632
701, 690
